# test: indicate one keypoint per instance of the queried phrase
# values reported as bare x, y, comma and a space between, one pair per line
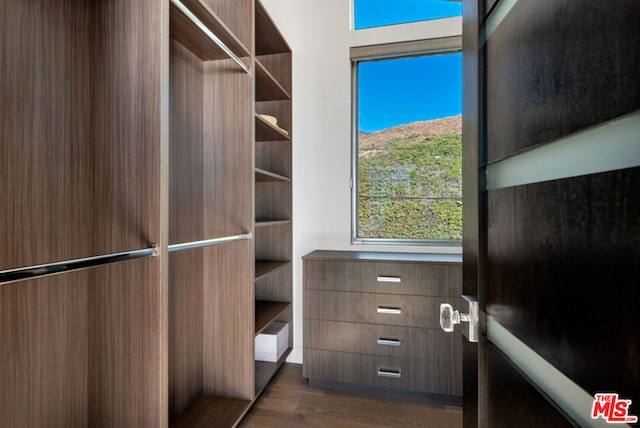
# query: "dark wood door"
552, 210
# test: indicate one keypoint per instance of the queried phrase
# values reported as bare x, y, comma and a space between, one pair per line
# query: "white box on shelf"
272, 342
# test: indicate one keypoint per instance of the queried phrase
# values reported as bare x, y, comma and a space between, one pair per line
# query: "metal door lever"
449, 318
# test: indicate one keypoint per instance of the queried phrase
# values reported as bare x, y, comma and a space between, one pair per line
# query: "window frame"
353, 17
435, 46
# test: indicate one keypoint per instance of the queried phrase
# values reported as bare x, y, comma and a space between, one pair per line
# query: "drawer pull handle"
392, 310
392, 373
387, 341
383, 278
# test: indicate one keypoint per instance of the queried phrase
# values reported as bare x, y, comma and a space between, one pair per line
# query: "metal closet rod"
208, 242
210, 34
69, 265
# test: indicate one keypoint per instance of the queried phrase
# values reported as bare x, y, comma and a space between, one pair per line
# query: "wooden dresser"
371, 322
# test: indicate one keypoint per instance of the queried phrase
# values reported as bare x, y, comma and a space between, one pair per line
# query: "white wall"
319, 34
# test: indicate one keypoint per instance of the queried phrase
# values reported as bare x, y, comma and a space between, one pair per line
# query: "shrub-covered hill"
409, 180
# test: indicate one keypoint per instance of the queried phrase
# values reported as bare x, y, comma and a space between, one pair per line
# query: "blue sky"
374, 13
398, 91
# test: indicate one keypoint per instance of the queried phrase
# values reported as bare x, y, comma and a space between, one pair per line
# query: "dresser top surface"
383, 257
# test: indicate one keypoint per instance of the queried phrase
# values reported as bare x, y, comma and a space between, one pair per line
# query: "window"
407, 155
376, 13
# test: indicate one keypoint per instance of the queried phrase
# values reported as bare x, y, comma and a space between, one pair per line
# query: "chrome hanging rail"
208, 242
69, 265
210, 34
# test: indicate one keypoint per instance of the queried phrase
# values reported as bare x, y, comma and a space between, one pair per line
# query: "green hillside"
412, 189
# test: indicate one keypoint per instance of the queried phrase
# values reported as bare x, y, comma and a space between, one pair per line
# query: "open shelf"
267, 87
265, 267
268, 39
264, 175
267, 132
266, 312
265, 371
187, 33
212, 411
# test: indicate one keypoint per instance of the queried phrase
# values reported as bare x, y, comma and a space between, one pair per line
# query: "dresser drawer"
371, 308
387, 372
420, 279
392, 341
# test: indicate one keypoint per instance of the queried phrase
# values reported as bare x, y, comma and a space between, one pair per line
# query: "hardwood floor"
290, 403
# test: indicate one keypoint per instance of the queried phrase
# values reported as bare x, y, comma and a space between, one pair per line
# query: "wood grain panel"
273, 242
187, 33
416, 343
332, 275
237, 15
574, 240
276, 286
577, 67
279, 66
515, 401
274, 156
207, 13
267, 86
186, 325
265, 268
84, 348
44, 353
44, 89
433, 377
273, 200
90, 110
125, 125
125, 339
228, 160
228, 306
266, 312
186, 167
416, 279
416, 311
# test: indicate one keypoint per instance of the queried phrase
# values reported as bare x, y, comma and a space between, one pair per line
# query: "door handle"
392, 310
450, 317
392, 373
388, 341
385, 278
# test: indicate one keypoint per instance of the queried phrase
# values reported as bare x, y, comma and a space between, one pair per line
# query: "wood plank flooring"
290, 402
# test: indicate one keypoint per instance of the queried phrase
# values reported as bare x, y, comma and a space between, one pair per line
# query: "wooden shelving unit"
83, 166
266, 312
267, 132
160, 124
267, 223
211, 192
267, 87
265, 371
215, 387
212, 411
262, 175
273, 184
266, 267
187, 33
